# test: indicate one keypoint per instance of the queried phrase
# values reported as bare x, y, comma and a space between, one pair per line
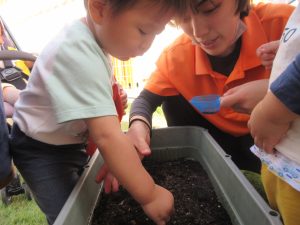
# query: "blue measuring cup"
207, 104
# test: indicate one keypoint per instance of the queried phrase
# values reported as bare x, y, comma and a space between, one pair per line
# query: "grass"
158, 119
21, 212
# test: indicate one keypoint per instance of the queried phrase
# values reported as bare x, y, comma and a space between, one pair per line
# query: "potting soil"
195, 200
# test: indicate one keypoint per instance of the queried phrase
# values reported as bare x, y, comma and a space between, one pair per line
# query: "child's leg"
51, 172
282, 197
6, 172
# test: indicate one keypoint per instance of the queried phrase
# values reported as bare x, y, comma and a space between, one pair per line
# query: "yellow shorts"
282, 197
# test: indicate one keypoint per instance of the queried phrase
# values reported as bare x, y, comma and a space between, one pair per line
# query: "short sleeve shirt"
71, 81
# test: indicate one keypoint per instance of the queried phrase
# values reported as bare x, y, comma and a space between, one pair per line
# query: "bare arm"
271, 118
269, 122
120, 156
123, 162
267, 52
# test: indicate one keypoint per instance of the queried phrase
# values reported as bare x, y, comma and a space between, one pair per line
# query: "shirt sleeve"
80, 83
287, 86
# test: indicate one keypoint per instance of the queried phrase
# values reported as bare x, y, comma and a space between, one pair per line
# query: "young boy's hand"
269, 122
111, 184
161, 207
267, 52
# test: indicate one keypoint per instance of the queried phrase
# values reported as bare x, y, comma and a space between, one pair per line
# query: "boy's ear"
96, 9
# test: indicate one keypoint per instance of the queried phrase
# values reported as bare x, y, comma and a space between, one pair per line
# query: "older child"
69, 97
275, 126
214, 56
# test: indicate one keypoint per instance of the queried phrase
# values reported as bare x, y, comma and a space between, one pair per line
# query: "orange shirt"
184, 68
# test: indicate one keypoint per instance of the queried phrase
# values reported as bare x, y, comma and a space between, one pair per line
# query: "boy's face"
131, 32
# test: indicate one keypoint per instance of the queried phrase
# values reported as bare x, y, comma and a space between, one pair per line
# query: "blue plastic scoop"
207, 104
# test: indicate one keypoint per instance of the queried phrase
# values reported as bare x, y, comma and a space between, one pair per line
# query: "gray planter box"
244, 205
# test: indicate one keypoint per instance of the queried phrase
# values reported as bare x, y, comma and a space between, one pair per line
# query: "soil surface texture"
195, 200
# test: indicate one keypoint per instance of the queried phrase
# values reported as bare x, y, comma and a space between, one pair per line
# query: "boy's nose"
146, 44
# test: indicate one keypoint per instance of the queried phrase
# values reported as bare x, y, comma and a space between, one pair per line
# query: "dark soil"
195, 200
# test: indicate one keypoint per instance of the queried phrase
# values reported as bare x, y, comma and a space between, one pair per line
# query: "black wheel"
6, 199
27, 192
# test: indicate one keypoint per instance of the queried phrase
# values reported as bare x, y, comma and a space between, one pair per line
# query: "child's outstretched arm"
271, 118
267, 52
124, 163
269, 122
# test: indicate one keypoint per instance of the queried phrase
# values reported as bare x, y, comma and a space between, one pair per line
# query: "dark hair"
242, 6
180, 6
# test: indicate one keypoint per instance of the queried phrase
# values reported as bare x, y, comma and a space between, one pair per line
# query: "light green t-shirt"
71, 81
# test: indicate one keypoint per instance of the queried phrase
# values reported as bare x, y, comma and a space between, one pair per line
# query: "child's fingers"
258, 142
270, 47
268, 148
164, 221
102, 173
115, 185
107, 184
111, 184
268, 56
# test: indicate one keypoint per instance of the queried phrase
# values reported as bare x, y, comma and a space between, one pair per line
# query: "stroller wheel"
6, 199
27, 192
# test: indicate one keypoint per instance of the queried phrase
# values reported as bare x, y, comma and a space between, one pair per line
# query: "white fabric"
71, 80
288, 50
